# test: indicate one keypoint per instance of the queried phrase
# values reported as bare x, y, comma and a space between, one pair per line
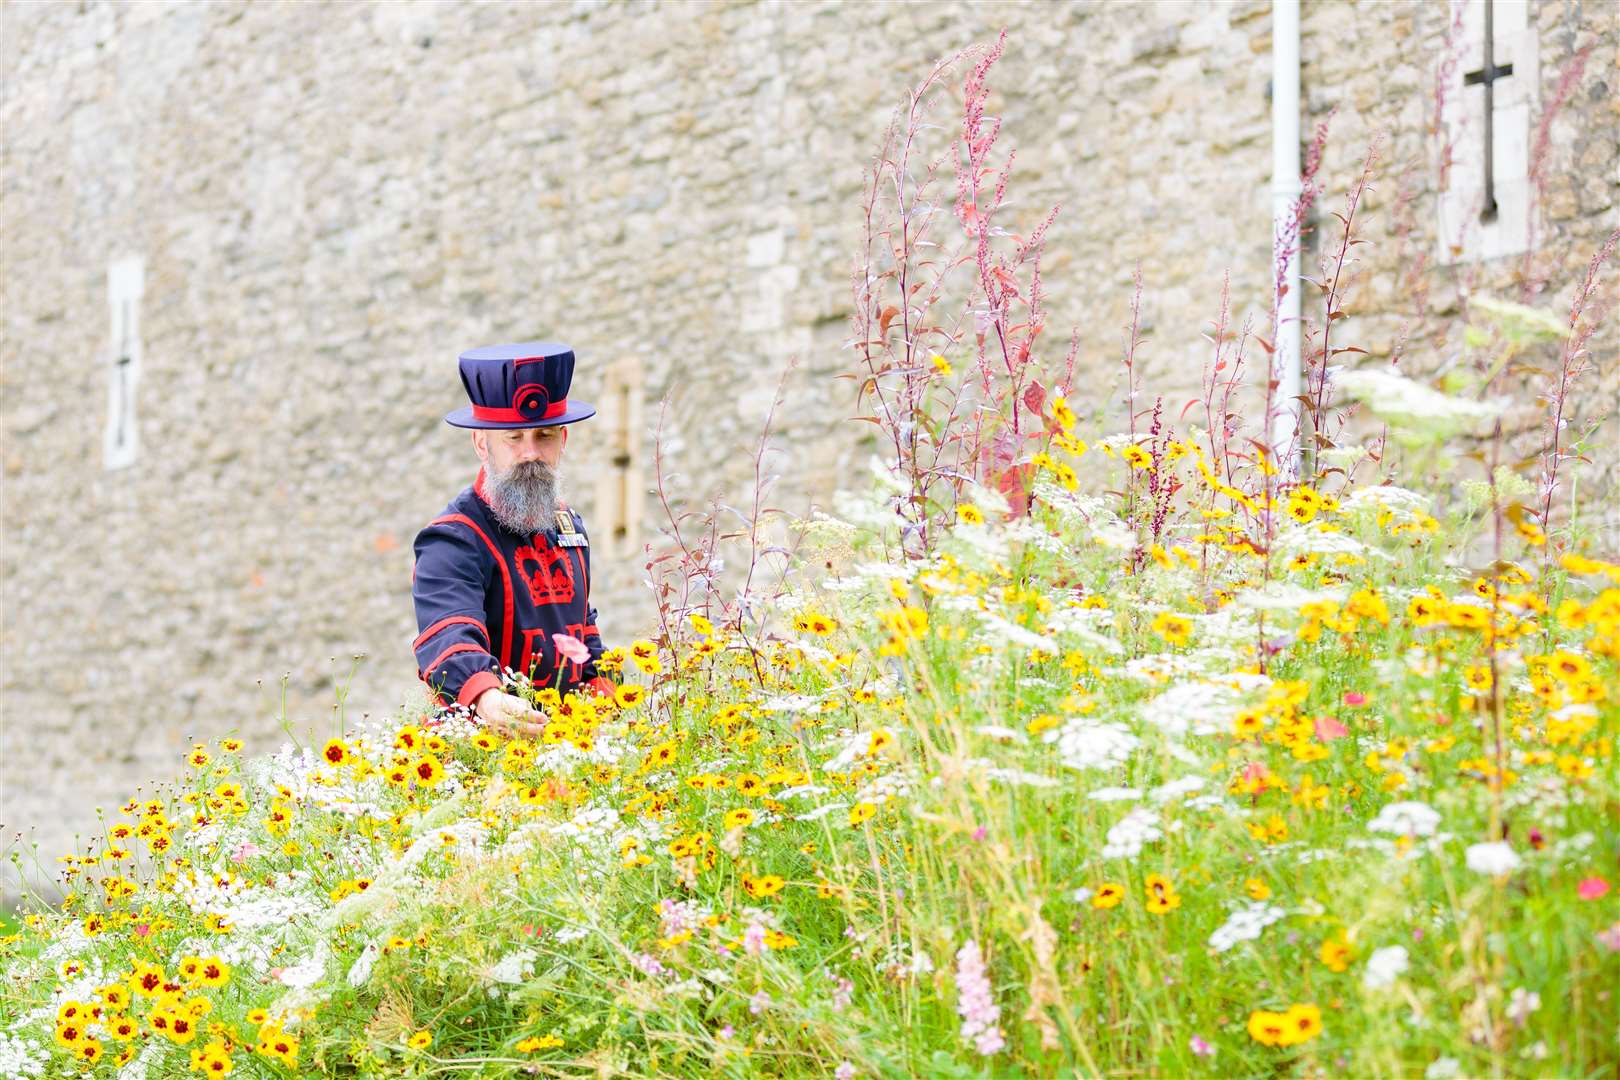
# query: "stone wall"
332, 200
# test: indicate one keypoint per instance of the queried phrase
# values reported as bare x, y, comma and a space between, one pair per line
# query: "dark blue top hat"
519, 386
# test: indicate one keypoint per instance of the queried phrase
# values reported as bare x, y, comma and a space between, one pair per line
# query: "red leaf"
1035, 397
1013, 484
886, 318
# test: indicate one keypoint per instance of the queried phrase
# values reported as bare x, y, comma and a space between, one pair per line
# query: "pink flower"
571, 648
245, 850
1592, 888
1328, 729
1201, 1048
1610, 938
1354, 697
975, 1002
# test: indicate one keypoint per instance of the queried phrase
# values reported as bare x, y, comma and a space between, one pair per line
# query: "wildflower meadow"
1063, 747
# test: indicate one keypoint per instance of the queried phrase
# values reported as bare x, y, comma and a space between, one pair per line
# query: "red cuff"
602, 685
476, 685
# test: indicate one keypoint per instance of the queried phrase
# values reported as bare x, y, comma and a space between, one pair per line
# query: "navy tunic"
489, 598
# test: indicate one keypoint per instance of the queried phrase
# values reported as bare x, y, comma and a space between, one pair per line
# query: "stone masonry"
330, 201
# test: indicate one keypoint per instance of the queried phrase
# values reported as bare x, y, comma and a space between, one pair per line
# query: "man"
505, 571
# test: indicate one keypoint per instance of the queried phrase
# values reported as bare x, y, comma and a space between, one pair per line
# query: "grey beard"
524, 498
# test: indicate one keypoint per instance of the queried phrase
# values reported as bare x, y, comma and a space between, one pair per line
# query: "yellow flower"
1108, 894
427, 770
736, 819
941, 365
1302, 1023
146, 980
1336, 954
1136, 457
969, 514
1161, 895
644, 654
1173, 628
701, 624
861, 813
420, 1041
1267, 1028
763, 886
1062, 413
335, 752
1257, 889
538, 1042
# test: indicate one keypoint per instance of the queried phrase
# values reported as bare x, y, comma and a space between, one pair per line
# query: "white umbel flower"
1494, 859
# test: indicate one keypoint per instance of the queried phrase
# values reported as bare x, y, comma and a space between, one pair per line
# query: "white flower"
1174, 789
1494, 859
1020, 778
792, 703
1135, 830
1085, 744
360, 970
1114, 794
308, 973
1384, 966
1406, 819
19, 1058
1245, 924
1000, 731
514, 967
1521, 1004
1443, 1068
1196, 706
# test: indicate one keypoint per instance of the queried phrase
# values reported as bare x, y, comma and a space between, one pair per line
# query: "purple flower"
759, 1003
842, 993
846, 1071
974, 1003
1201, 1048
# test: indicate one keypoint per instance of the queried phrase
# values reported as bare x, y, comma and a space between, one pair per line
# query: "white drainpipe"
1285, 189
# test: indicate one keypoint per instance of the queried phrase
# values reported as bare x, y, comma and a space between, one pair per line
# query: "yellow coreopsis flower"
763, 886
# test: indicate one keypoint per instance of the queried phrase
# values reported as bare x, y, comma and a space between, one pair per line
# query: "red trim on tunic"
475, 686
447, 654
442, 623
506, 577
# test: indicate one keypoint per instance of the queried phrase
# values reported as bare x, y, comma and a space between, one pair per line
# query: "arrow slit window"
1489, 106
126, 282
619, 485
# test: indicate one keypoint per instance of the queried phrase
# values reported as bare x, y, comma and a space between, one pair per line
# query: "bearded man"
503, 575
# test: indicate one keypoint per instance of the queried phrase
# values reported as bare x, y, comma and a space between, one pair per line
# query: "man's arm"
453, 647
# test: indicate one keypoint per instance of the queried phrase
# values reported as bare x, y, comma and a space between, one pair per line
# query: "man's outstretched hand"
506, 714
